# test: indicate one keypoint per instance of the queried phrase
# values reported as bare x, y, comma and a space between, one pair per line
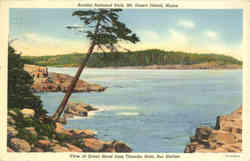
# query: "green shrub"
26, 135
42, 129
63, 138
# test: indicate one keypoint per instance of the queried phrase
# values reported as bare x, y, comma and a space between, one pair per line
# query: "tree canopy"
102, 26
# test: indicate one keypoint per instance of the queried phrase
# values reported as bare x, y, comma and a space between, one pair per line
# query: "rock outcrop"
30, 134
77, 109
45, 81
28, 113
19, 145
225, 137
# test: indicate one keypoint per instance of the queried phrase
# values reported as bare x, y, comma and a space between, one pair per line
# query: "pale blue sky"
43, 32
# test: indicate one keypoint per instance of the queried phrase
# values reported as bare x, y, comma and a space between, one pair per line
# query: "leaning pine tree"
105, 31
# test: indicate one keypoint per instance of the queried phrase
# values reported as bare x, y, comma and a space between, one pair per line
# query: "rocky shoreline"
203, 66
28, 131
226, 136
28, 134
45, 81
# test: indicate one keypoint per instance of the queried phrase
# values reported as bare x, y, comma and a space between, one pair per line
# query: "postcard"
124, 80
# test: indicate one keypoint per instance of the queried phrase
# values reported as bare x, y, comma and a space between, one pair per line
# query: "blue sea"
152, 110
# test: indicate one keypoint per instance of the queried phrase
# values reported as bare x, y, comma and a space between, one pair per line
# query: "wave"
93, 113
76, 118
128, 113
90, 115
109, 108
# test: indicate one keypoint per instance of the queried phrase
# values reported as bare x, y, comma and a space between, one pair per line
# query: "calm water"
153, 110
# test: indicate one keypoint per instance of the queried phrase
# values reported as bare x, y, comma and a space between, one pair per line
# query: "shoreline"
226, 136
45, 81
204, 66
39, 136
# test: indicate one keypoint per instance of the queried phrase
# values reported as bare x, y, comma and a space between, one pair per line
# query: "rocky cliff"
45, 81
225, 137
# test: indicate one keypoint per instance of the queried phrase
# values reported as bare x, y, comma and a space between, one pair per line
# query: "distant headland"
144, 59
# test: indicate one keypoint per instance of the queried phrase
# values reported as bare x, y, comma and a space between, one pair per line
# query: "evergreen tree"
19, 85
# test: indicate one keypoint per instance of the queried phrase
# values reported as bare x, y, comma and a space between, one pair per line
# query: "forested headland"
135, 58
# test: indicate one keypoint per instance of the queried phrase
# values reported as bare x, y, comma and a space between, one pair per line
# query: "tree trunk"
61, 108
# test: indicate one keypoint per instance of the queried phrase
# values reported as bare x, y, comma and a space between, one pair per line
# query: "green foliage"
63, 138
42, 129
137, 58
26, 135
103, 28
45, 130
78, 142
54, 60
19, 85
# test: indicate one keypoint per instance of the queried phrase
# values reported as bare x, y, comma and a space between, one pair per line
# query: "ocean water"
153, 110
